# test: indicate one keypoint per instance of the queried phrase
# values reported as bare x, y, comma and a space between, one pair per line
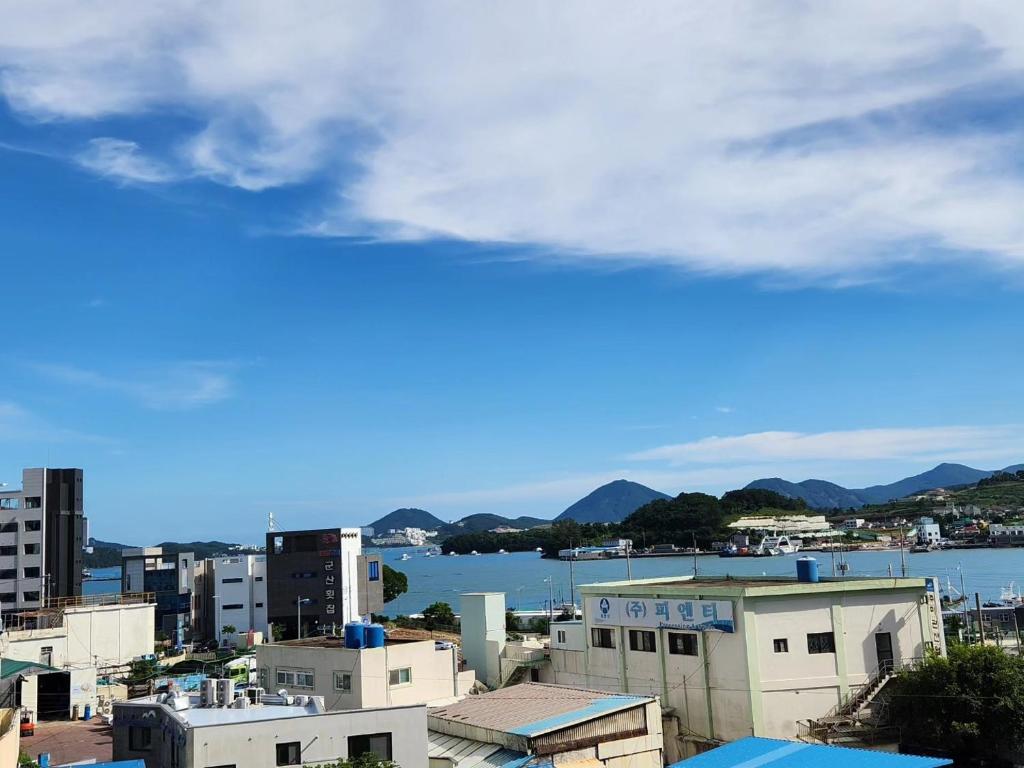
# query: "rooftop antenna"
272, 523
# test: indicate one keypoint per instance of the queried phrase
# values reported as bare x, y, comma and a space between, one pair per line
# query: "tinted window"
289, 753
682, 644
641, 640
821, 642
377, 743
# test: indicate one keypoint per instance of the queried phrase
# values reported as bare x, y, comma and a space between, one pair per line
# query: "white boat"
775, 545
502, 552
474, 552
428, 553
539, 549
453, 554
405, 556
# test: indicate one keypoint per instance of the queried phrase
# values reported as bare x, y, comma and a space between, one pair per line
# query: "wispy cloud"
177, 387
942, 443
806, 141
18, 424
725, 409
123, 160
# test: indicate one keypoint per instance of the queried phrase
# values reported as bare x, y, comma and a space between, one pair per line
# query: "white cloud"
749, 138
924, 443
176, 387
120, 159
725, 409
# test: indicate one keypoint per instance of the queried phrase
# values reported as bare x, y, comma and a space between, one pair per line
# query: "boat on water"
453, 554
86, 573
405, 556
474, 552
502, 552
772, 546
539, 549
920, 548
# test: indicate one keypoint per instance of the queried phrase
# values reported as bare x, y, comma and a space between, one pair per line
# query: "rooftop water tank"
355, 635
807, 570
374, 636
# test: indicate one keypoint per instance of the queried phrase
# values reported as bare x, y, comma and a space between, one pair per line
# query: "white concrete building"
178, 731
402, 672
238, 587
482, 625
853, 524
731, 657
928, 531
547, 725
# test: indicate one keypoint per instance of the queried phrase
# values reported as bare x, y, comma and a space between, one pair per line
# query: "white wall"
250, 593
109, 635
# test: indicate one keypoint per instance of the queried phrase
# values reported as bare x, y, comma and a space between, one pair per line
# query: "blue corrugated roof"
596, 708
755, 752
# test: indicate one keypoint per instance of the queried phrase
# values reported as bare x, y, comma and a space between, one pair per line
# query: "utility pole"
572, 579
903, 553
963, 599
981, 624
551, 598
694, 537
629, 567
1016, 630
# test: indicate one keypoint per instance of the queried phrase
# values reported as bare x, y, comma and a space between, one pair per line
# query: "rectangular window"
285, 677
561, 635
377, 743
31, 549
374, 566
682, 644
8, 573
32, 573
781, 645
30, 597
602, 637
33, 502
259, 605
233, 607
33, 525
298, 678
821, 642
8, 597
259, 578
11, 527
342, 681
289, 753
8, 551
139, 739
641, 640
401, 676
231, 581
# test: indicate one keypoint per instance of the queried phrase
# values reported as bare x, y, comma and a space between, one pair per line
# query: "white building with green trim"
744, 656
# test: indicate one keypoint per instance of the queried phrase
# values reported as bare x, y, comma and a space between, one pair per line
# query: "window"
374, 566
33, 502
602, 637
231, 581
46, 655
278, 545
33, 525
258, 578
641, 640
304, 575
8, 597
781, 645
31, 597
32, 573
232, 607
401, 676
31, 549
8, 551
682, 644
289, 753
11, 527
264, 677
342, 681
821, 642
8, 573
561, 635
259, 605
139, 738
10, 504
377, 743
297, 678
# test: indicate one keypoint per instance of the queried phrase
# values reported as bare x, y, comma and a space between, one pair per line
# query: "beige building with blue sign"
735, 657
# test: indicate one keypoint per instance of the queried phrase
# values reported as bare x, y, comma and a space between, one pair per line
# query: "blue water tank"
355, 635
807, 570
375, 636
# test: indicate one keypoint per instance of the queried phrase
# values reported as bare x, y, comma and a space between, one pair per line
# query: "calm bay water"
520, 575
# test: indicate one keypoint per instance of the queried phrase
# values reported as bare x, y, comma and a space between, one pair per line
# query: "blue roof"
755, 752
118, 764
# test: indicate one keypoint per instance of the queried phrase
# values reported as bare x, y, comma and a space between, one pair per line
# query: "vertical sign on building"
330, 551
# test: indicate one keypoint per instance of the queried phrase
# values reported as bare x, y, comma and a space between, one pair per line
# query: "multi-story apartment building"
320, 578
237, 595
172, 578
42, 529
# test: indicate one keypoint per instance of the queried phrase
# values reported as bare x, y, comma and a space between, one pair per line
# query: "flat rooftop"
750, 585
197, 716
530, 709
397, 636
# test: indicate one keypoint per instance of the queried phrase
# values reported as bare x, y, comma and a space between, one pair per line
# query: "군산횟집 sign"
661, 613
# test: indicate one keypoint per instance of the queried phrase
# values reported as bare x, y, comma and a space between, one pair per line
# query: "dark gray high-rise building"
42, 530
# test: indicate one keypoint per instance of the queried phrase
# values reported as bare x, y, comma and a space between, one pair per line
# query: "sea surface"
520, 575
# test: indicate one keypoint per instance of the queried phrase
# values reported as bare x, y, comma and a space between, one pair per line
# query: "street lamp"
551, 598
298, 615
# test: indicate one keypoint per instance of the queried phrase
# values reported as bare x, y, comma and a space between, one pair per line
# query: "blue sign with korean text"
661, 613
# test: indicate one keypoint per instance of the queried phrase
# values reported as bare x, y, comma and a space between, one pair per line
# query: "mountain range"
611, 502
821, 494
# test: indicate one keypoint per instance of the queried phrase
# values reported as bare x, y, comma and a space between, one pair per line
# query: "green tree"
512, 623
228, 629
395, 583
438, 615
366, 760
969, 705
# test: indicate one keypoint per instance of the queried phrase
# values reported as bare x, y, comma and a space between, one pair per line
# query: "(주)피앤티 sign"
661, 613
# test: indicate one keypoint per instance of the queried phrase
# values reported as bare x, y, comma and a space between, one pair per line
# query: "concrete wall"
482, 620
252, 744
250, 593
108, 635
434, 673
9, 736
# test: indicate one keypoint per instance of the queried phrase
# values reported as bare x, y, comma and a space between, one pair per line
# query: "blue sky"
327, 281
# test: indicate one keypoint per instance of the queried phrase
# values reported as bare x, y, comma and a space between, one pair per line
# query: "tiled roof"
534, 708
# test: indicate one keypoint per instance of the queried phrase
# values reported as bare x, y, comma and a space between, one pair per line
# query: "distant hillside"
611, 503
407, 517
487, 522
106, 553
822, 494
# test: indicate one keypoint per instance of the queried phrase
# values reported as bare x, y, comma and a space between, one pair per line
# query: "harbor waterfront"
521, 575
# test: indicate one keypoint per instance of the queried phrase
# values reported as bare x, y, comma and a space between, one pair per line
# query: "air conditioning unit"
208, 693
225, 692
300, 701
255, 695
